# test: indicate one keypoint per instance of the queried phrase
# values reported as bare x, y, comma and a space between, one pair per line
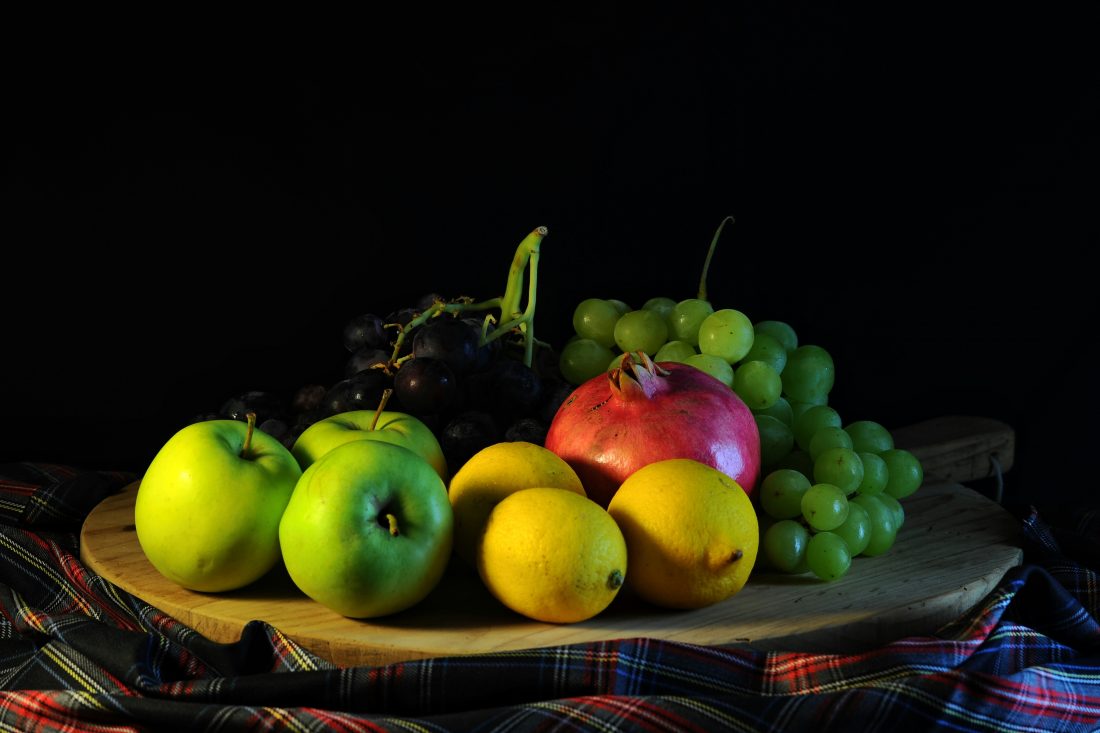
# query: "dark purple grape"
433, 421
401, 317
546, 363
274, 427
292, 433
366, 358
307, 418
427, 300
360, 392
554, 393
365, 331
465, 435
450, 340
425, 385
489, 352
308, 398
266, 405
508, 389
526, 429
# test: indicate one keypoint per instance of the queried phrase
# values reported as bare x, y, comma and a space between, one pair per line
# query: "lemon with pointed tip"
552, 555
691, 533
495, 472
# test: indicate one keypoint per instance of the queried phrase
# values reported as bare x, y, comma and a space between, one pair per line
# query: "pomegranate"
642, 412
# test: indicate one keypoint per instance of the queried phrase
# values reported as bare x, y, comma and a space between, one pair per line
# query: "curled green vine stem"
511, 320
710, 253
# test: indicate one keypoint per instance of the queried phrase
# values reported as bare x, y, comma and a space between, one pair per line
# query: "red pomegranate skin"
614, 424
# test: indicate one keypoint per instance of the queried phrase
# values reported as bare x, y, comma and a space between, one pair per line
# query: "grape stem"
710, 253
511, 320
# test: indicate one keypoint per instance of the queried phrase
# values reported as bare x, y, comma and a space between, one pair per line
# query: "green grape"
827, 437
726, 333
809, 374
781, 410
797, 460
767, 349
869, 436
884, 530
785, 545
620, 306
905, 472
674, 351
811, 420
582, 359
781, 493
714, 366
780, 331
662, 305
895, 508
875, 474
757, 384
797, 408
824, 507
776, 439
763, 521
827, 556
840, 467
617, 361
595, 318
685, 318
641, 331
763, 524
856, 530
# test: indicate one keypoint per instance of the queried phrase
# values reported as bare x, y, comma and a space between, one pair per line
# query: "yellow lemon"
552, 555
495, 472
691, 532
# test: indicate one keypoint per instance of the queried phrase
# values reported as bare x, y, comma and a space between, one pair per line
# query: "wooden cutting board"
954, 547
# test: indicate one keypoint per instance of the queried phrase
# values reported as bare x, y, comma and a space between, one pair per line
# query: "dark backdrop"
188, 219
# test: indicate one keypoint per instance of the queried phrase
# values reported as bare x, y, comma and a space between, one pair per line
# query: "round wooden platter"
953, 548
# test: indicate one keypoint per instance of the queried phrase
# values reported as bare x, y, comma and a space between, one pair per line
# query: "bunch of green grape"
834, 495
830, 492
762, 362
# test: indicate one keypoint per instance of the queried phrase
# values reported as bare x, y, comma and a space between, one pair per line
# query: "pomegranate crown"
636, 376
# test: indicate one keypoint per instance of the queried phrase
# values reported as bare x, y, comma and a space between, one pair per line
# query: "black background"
188, 218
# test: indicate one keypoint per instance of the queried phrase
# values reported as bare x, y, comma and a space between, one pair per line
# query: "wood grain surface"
953, 548
959, 448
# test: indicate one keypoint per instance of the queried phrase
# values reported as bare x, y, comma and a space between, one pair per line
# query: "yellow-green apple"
397, 428
369, 529
208, 507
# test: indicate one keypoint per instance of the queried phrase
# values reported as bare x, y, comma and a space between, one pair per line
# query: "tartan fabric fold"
78, 653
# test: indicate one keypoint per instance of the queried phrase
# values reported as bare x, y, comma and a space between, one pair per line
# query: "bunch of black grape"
470, 393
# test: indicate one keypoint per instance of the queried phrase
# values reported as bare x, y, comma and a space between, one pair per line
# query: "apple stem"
393, 524
381, 406
246, 448
710, 253
737, 555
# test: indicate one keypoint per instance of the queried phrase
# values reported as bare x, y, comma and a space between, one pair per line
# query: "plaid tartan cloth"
78, 654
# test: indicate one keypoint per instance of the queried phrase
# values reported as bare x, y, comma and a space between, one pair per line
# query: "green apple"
208, 508
397, 428
369, 529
